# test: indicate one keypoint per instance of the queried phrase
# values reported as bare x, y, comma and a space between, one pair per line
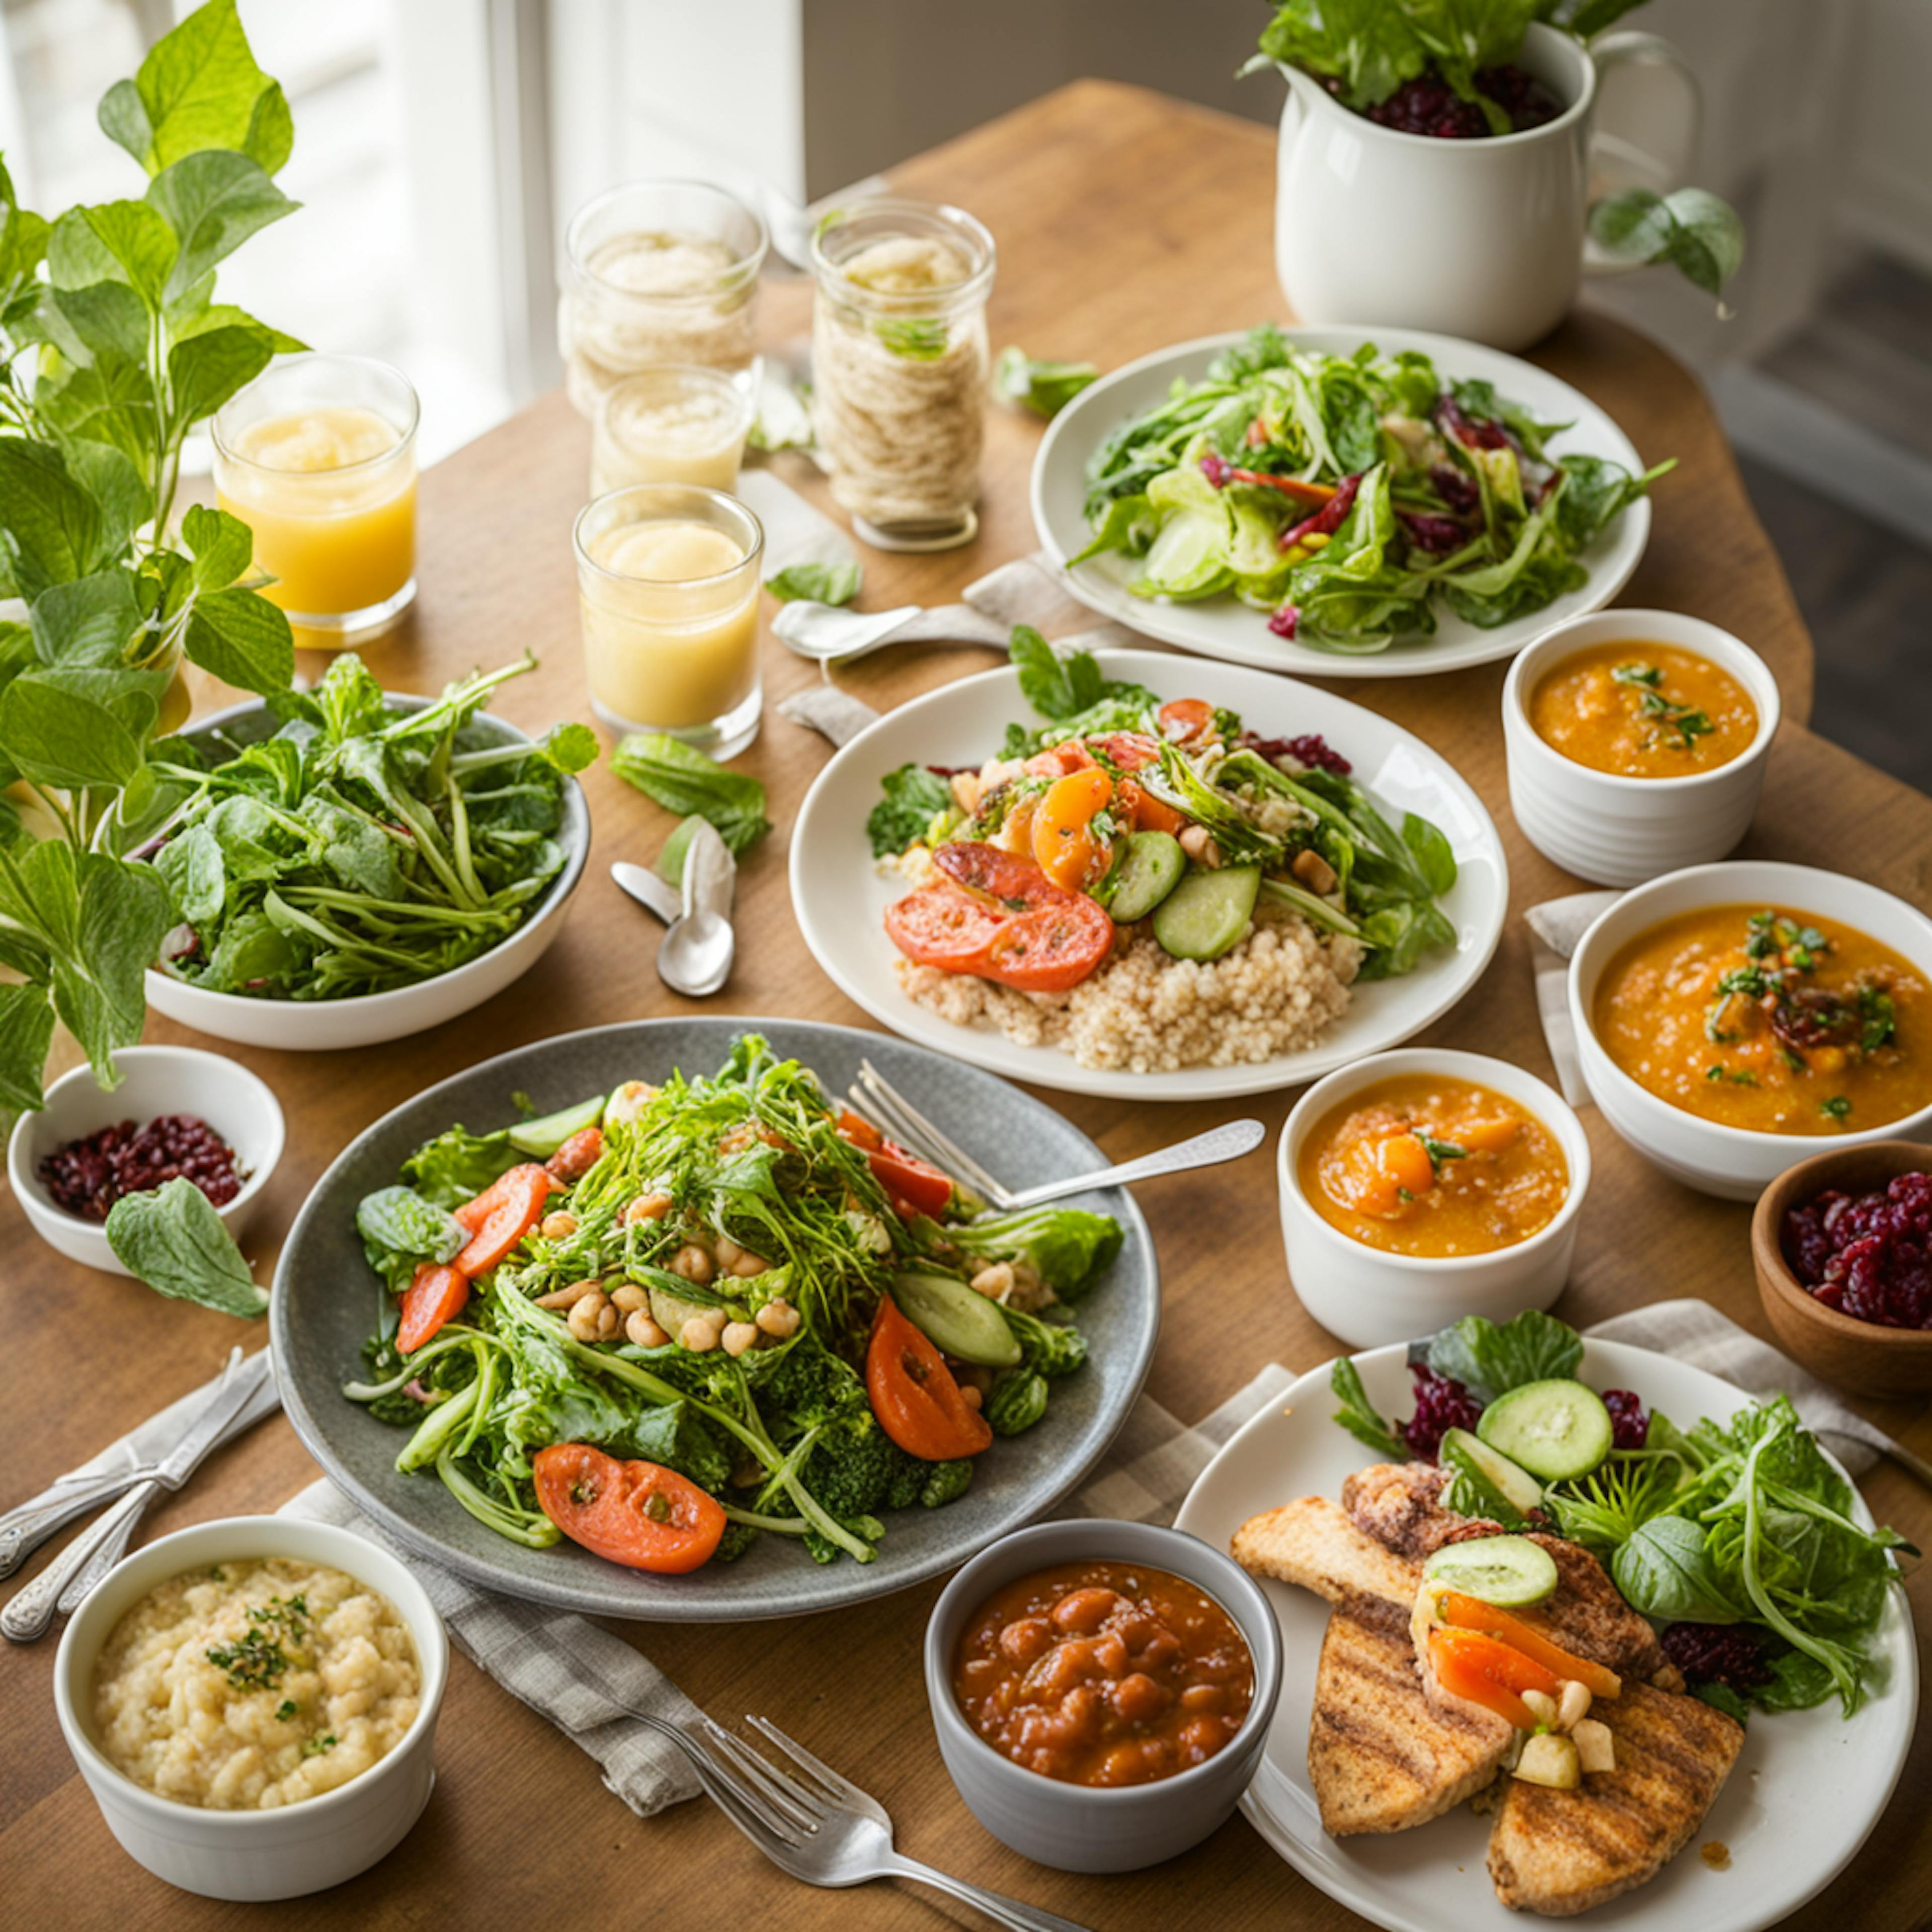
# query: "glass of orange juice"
667, 585
317, 456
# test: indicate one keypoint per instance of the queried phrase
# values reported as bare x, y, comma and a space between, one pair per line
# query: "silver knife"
26, 1526
651, 890
27, 1617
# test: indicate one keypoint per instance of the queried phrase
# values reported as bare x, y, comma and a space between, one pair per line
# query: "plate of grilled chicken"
1405, 1802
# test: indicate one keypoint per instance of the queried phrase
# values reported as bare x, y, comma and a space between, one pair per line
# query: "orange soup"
1642, 710
1766, 1018
1420, 1164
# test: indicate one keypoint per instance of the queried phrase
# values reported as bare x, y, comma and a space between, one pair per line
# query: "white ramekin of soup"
1636, 742
253, 1703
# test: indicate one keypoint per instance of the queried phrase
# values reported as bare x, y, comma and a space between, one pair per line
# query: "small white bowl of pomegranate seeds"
179, 1111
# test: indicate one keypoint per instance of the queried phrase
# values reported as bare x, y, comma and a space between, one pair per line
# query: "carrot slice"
1487, 1671
1472, 1613
435, 1295
501, 1216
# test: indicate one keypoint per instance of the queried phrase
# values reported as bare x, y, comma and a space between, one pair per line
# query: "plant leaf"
820, 582
214, 201
191, 865
682, 779
223, 547
86, 624
172, 1239
123, 913
50, 526
206, 369
26, 1032
111, 402
243, 639
65, 729
1693, 228
199, 88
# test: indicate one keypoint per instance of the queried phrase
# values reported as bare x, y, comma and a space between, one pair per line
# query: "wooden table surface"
1125, 222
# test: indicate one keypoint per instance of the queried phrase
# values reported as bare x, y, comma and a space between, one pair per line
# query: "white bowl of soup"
1731, 1019
1636, 742
1420, 1186
253, 1703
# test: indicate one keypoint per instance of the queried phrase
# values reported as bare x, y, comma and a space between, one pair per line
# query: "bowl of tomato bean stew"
1101, 1691
1422, 1185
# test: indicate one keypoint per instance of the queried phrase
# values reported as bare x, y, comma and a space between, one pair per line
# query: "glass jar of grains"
899, 367
657, 271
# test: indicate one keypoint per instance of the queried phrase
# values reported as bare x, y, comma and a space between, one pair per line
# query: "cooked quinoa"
1278, 990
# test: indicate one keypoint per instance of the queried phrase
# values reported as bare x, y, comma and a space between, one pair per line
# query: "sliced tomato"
859, 1131
906, 1178
1128, 751
1050, 949
639, 1514
1015, 882
942, 925
436, 1295
1140, 808
1472, 1613
578, 1156
1065, 846
914, 1395
1183, 718
1487, 1671
501, 1216
1056, 760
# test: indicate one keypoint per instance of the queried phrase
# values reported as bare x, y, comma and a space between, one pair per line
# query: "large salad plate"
840, 895
1222, 626
326, 1298
1806, 1788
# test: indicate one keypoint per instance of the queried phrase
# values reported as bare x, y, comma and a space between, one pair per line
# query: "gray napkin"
1554, 929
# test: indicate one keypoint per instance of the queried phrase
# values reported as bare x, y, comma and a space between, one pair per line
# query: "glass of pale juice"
317, 456
677, 423
668, 585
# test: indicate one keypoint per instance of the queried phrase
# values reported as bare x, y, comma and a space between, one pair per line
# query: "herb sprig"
1688, 722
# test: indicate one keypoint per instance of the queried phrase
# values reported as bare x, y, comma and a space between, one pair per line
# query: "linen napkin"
1556, 927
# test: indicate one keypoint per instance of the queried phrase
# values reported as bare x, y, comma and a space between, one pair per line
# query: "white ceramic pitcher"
1481, 239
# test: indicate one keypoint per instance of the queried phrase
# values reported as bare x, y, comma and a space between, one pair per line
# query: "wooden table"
1126, 222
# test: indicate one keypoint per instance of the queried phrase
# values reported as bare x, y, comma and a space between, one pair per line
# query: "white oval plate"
1223, 627
841, 897
1807, 1786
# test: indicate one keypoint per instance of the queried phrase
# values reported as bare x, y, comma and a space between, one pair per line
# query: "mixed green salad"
1738, 1538
361, 848
664, 1323
1352, 497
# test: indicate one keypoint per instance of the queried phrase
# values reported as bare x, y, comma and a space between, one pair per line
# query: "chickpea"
698, 1336
715, 1319
558, 1227
630, 1297
569, 1296
778, 1318
738, 1337
648, 1208
1572, 1704
607, 1320
693, 1264
586, 1317
971, 1396
1198, 842
639, 1326
727, 1250
994, 1281
747, 1264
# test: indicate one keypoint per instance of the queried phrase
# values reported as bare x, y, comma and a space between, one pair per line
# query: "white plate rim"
1628, 1364
1048, 1066
1614, 566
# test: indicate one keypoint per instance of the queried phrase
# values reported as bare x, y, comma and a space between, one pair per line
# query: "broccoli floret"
947, 1482
739, 1538
824, 1550
908, 1479
809, 1388
853, 1465
1050, 1349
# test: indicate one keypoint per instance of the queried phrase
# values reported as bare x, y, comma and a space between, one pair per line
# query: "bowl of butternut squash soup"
1732, 1018
1419, 1185
1636, 742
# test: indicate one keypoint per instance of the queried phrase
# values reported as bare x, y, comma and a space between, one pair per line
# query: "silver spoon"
825, 632
695, 957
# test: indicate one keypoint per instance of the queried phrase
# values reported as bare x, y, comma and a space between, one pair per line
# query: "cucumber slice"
542, 1139
1207, 914
955, 1320
1555, 1430
1516, 1485
1150, 868
1509, 1571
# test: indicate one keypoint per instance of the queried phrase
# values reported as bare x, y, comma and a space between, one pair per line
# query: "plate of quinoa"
1126, 873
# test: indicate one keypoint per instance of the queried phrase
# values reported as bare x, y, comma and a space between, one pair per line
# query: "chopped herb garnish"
921, 339
1739, 1076
1878, 1019
1686, 721
1649, 676
1837, 1107
1793, 1059
285, 1709
257, 1661
1403, 1194
1439, 1151
316, 1746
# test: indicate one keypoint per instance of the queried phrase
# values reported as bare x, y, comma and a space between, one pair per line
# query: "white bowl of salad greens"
351, 865
1340, 503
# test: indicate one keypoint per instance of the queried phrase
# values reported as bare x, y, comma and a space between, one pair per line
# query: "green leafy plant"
1366, 49
171, 1238
682, 779
819, 583
113, 347
1044, 388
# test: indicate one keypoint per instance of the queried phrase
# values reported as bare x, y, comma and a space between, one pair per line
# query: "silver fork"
825, 1832
877, 1100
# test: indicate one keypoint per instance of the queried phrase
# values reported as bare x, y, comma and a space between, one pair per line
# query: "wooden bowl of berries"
1843, 1245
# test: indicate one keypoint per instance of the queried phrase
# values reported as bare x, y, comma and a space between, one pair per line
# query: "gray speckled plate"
325, 1305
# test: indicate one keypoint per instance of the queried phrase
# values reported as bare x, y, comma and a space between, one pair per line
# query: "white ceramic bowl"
1620, 831
1735, 1162
155, 1080
296, 1848
1367, 1296
371, 1019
